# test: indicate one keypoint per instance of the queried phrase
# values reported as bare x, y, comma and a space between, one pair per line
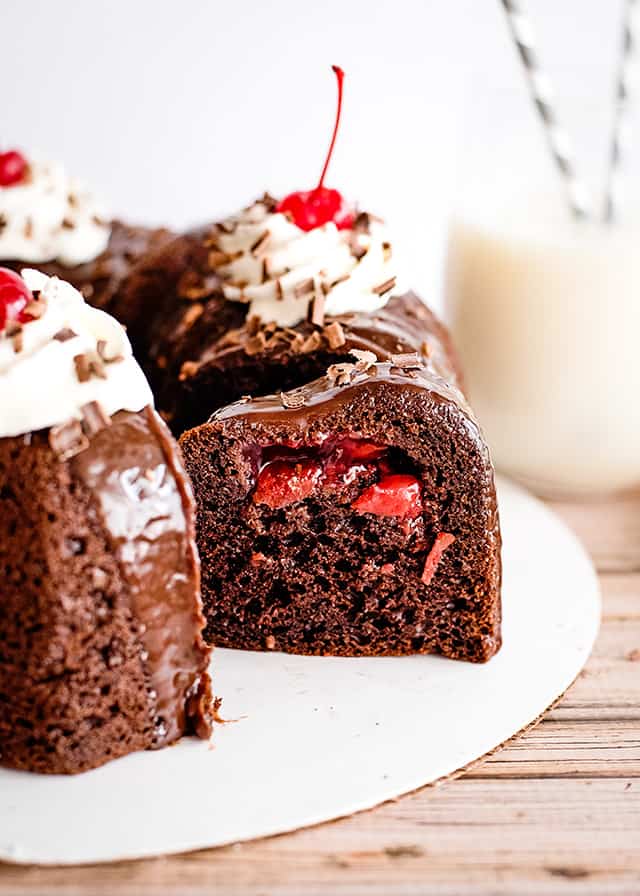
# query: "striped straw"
620, 134
541, 93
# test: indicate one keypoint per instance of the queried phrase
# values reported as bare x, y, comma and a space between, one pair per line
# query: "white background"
179, 111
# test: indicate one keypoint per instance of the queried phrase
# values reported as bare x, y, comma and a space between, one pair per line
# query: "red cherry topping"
13, 167
442, 542
396, 495
313, 208
14, 298
284, 482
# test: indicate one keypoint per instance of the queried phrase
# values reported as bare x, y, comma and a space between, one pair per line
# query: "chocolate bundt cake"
254, 304
355, 515
50, 222
101, 648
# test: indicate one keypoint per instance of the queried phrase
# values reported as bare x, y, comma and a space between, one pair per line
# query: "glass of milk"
545, 312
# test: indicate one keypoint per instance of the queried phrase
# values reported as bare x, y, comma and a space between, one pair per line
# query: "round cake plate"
317, 738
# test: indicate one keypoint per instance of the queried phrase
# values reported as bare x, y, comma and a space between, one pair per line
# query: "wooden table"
557, 811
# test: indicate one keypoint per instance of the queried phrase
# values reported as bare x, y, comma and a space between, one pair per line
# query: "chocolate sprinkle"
385, 287
365, 359
262, 239
64, 335
407, 361
317, 309
67, 440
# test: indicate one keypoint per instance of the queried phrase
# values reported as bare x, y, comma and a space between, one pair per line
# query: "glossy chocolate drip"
145, 505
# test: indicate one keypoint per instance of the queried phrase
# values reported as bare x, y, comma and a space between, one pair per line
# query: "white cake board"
319, 738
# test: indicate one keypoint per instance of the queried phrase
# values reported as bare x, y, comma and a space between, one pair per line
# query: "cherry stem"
340, 78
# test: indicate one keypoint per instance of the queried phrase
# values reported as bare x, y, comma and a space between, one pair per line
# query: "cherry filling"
15, 296
286, 475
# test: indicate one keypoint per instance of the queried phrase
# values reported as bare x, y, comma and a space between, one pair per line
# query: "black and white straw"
540, 88
627, 75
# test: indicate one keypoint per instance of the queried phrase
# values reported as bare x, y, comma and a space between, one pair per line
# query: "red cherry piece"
13, 167
284, 482
396, 495
442, 542
14, 298
313, 208
359, 449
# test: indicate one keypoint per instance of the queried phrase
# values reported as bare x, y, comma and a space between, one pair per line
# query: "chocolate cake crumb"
270, 642
188, 369
67, 440
94, 418
64, 335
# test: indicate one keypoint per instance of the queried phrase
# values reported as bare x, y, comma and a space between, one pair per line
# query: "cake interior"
334, 548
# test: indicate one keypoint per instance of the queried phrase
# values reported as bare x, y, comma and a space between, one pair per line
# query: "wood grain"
557, 811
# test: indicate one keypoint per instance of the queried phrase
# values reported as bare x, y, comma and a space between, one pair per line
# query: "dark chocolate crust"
101, 279
99, 565
200, 352
316, 577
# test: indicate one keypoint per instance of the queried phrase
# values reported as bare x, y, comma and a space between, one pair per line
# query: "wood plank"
610, 530
569, 749
474, 837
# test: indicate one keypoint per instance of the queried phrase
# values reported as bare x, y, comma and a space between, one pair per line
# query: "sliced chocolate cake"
355, 515
51, 222
101, 648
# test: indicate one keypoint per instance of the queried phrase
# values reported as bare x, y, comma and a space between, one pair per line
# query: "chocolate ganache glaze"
145, 504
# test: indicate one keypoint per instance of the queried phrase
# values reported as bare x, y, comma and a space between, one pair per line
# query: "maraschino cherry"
13, 167
14, 298
313, 208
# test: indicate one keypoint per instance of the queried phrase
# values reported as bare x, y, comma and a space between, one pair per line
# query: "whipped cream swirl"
51, 217
39, 382
267, 261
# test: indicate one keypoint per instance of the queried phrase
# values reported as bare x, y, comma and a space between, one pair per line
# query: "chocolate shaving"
101, 348
68, 224
426, 349
365, 359
36, 308
264, 276
71, 199
255, 345
269, 202
339, 280
334, 334
407, 361
317, 309
65, 334
14, 332
387, 251
253, 324
279, 290
28, 228
341, 374
188, 369
269, 642
362, 223
94, 418
293, 399
3, 223
262, 239
87, 365
312, 343
297, 343
194, 286
385, 287
67, 440
305, 287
